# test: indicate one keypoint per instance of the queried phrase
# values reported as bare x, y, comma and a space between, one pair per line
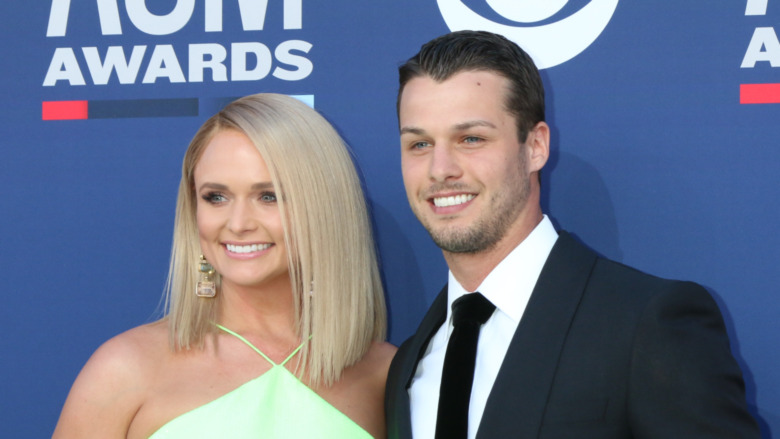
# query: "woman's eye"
214, 198
268, 197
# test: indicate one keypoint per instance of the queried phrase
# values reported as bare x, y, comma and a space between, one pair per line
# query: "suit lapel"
433, 319
409, 354
516, 404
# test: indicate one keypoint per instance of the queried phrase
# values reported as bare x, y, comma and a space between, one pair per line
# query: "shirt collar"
510, 284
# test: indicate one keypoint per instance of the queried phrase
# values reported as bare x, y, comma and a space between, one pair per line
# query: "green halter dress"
274, 405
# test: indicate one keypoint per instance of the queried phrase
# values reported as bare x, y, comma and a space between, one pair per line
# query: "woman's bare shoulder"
379, 356
130, 354
112, 385
363, 387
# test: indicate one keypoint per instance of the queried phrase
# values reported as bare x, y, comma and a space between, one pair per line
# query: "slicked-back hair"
336, 286
456, 52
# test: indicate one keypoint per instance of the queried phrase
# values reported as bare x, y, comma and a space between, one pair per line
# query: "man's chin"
460, 242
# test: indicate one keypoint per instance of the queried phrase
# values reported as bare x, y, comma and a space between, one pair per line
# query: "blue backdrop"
656, 160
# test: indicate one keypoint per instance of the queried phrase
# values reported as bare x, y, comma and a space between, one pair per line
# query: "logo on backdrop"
101, 61
762, 51
528, 23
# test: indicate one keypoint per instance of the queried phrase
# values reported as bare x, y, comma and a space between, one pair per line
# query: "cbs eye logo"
548, 43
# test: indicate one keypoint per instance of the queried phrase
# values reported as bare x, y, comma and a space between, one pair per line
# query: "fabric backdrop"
664, 156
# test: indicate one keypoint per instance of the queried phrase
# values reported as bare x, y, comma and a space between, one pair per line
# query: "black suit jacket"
602, 351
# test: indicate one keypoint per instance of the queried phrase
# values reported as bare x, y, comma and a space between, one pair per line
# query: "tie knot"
473, 307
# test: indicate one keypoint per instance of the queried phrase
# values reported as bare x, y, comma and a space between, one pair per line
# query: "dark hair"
460, 51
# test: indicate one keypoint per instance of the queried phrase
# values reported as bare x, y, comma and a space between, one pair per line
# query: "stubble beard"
487, 231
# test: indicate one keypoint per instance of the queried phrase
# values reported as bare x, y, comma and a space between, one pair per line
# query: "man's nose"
445, 163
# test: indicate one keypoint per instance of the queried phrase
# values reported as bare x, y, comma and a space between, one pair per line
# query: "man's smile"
452, 200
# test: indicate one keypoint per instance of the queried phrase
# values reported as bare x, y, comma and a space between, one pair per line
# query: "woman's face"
238, 217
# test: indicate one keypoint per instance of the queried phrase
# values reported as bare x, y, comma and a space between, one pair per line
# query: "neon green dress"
274, 405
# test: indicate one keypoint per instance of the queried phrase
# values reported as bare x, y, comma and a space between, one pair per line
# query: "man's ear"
538, 146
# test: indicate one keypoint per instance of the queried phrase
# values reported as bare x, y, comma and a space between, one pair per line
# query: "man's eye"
420, 145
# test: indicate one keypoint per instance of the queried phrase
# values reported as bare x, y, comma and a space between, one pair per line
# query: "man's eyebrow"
412, 130
457, 127
474, 123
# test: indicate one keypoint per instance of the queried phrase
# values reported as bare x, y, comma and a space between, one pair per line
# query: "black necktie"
469, 312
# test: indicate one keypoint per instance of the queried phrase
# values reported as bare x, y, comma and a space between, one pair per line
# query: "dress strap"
238, 336
293, 353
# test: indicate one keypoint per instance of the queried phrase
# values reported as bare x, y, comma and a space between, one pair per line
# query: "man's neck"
470, 269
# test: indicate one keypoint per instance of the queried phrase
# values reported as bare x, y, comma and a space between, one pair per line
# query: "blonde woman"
291, 343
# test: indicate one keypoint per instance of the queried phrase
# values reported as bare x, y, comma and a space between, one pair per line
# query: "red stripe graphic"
64, 110
759, 94
128, 108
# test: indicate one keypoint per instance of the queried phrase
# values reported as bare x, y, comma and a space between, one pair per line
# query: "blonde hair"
337, 290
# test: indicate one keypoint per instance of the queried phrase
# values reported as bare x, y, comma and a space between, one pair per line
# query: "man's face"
465, 171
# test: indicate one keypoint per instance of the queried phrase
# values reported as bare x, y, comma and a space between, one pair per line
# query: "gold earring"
206, 286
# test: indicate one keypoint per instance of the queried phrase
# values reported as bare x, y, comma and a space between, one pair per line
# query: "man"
578, 346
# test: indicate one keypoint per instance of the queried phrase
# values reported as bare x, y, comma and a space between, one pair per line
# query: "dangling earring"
206, 286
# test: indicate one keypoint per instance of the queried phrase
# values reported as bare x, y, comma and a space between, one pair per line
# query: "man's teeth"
452, 201
247, 248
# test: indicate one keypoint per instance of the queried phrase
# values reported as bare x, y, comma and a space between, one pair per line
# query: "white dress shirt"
508, 286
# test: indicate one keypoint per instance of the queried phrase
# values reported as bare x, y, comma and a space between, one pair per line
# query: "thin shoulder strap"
238, 336
292, 354
258, 350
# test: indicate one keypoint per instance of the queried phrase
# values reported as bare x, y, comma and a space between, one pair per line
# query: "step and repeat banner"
665, 152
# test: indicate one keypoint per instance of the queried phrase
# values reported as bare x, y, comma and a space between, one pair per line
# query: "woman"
271, 222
